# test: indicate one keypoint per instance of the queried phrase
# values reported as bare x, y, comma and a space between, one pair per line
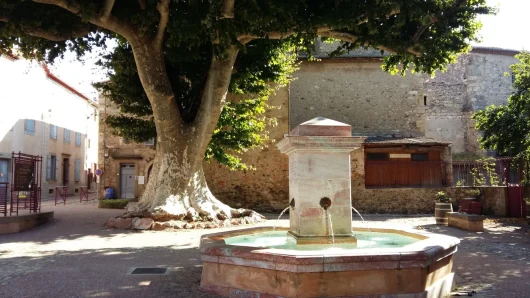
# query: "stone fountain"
321, 254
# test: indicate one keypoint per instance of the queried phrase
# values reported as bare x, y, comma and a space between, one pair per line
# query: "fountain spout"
325, 203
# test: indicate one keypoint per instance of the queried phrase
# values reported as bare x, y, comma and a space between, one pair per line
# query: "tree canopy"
422, 35
506, 128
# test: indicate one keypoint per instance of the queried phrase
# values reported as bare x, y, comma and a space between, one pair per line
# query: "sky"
506, 30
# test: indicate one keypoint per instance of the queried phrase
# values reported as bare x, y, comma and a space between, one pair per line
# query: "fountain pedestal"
320, 181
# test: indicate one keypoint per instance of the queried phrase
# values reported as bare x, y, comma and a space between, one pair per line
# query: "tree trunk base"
165, 221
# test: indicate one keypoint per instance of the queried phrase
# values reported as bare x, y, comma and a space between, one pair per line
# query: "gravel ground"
76, 256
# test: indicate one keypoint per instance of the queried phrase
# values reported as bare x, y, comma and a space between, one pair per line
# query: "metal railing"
4, 199
83, 194
492, 172
394, 174
60, 194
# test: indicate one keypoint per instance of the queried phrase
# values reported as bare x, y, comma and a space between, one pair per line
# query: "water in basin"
280, 239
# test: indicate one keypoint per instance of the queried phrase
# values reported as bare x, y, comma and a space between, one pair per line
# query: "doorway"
4, 172
127, 181
66, 170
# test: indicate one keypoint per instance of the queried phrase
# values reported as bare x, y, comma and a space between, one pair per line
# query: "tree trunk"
177, 187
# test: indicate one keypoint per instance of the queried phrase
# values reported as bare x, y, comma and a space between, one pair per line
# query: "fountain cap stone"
322, 127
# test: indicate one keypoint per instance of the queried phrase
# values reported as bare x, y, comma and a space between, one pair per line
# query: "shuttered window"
66, 137
77, 170
52, 167
53, 132
29, 127
77, 139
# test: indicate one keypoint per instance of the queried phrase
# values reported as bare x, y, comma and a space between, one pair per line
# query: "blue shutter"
66, 135
77, 166
30, 126
56, 168
53, 132
78, 139
48, 167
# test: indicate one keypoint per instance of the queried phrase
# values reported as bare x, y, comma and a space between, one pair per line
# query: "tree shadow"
102, 273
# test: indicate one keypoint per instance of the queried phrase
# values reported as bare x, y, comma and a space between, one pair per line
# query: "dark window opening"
425, 100
420, 156
377, 156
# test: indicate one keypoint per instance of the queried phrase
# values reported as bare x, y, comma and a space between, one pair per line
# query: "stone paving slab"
76, 256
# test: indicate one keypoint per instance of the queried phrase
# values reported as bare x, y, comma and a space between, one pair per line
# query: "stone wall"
494, 198
476, 81
114, 152
357, 92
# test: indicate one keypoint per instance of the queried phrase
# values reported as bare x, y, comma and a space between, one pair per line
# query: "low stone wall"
468, 222
17, 224
393, 200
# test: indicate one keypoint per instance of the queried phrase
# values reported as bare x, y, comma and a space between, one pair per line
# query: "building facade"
414, 125
42, 115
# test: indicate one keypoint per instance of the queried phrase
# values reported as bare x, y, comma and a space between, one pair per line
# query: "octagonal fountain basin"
260, 262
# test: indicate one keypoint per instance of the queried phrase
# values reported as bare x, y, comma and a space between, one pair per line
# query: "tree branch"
53, 36
348, 37
111, 23
391, 13
422, 29
47, 34
228, 9
213, 97
107, 9
163, 9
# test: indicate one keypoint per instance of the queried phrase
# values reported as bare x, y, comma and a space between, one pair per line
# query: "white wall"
26, 92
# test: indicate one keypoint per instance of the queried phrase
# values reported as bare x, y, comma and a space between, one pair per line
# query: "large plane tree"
187, 52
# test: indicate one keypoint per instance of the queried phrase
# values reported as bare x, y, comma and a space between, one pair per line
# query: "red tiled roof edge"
52, 77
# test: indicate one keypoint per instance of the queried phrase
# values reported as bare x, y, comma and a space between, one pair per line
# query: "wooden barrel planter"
440, 213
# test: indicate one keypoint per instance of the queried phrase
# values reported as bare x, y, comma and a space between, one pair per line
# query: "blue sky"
507, 29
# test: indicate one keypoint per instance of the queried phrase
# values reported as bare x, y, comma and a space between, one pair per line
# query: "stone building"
42, 115
407, 119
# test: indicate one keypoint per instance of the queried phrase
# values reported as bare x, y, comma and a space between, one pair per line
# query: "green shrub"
442, 197
113, 204
473, 193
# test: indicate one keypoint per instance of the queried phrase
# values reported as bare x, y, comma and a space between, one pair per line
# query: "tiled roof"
404, 140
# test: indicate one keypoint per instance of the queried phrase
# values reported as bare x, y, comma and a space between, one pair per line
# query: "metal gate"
3, 197
26, 187
516, 204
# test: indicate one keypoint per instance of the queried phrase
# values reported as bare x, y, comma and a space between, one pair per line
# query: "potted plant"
472, 194
442, 206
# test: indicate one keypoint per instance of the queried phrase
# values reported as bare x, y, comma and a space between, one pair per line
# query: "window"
77, 170
66, 136
377, 156
53, 132
420, 156
95, 115
150, 142
425, 100
88, 144
78, 139
52, 167
513, 78
29, 127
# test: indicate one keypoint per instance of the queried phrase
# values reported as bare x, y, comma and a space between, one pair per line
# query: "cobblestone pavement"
76, 256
